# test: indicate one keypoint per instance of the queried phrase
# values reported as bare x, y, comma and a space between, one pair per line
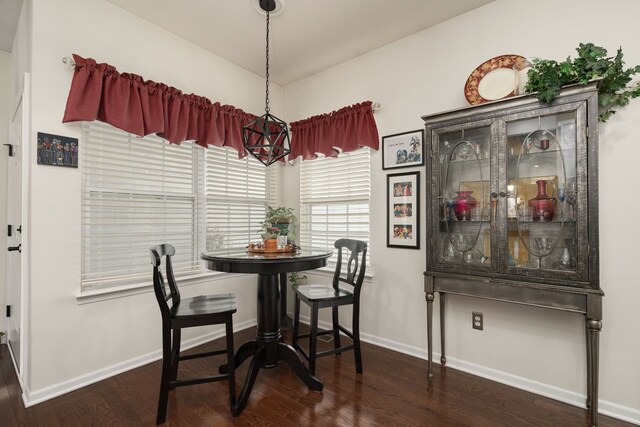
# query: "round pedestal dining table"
268, 348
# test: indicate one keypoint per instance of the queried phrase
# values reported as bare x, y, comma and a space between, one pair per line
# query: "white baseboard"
577, 399
31, 398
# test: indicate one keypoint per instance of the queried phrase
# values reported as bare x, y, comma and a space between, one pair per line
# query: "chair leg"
296, 321
231, 365
313, 339
175, 353
336, 330
166, 376
356, 337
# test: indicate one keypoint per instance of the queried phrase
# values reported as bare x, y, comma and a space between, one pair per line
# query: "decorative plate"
493, 79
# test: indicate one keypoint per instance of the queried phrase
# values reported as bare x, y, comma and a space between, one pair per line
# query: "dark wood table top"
242, 261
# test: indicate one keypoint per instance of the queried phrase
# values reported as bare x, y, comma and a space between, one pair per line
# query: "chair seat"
322, 292
204, 305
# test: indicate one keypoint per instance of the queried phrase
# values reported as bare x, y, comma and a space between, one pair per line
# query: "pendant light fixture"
267, 137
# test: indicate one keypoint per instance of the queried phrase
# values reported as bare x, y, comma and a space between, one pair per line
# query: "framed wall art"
403, 210
403, 150
57, 150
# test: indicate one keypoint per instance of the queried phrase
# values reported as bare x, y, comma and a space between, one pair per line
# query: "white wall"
4, 139
539, 349
74, 344
422, 74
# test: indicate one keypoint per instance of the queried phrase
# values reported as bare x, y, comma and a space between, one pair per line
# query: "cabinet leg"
429, 297
589, 361
593, 348
443, 359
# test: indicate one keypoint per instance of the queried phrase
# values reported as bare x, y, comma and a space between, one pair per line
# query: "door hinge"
8, 311
10, 149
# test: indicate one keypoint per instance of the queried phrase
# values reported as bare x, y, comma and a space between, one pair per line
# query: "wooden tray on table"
255, 249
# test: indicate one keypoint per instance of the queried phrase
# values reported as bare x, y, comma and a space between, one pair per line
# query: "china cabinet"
512, 210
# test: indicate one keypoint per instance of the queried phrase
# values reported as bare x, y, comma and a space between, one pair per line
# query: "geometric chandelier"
267, 137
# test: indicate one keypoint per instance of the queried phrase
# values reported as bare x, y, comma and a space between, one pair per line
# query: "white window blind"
334, 199
136, 193
237, 194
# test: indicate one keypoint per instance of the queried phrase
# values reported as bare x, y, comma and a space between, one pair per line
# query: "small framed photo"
403, 210
403, 150
57, 150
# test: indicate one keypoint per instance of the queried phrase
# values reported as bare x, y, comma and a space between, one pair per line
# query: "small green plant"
548, 76
296, 278
269, 232
282, 218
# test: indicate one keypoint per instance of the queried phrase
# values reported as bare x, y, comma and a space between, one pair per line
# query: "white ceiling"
308, 37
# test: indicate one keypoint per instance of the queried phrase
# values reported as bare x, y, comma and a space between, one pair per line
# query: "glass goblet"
571, 197
545, 246
561, 197
464, 151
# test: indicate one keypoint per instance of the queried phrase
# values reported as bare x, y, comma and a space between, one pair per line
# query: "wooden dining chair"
334, 296
186, 313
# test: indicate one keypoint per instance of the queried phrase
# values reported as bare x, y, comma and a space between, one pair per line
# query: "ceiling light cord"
266, 100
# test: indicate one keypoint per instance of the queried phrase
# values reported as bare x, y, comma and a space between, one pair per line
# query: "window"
139, 192
237, 194
334, 199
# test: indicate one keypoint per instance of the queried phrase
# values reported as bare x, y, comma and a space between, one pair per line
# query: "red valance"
341, 131
143, 107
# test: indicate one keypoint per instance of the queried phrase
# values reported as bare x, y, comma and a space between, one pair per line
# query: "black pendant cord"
266, 99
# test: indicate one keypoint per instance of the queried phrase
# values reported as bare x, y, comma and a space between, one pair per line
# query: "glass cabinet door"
462, 225
541, 209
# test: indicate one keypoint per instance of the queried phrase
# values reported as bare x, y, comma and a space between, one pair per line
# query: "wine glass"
561, 197
450, 214
545, 245
465, 150
571, 197
448, 252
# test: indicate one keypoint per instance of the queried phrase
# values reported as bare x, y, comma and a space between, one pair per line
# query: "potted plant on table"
269, 236
284, 219
279, 223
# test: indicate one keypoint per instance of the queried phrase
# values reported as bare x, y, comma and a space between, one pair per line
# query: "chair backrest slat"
356, 264
159, 252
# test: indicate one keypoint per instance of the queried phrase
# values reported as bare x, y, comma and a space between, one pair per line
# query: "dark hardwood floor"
393, 391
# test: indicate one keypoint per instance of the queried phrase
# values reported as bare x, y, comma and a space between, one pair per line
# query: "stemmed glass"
450, 214
571, 198
545, 244
464, 151
561, 197
463, 243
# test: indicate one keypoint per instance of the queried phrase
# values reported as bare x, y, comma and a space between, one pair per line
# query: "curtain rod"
67, 60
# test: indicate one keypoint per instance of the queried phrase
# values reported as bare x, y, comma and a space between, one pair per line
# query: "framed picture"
57, 150
403, 150
403, 210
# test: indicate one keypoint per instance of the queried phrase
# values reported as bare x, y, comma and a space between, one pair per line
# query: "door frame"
24, 290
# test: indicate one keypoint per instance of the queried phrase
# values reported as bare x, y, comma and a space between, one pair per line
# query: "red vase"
463, 203
543, 206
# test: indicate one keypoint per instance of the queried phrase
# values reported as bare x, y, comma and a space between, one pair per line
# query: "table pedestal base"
268, 349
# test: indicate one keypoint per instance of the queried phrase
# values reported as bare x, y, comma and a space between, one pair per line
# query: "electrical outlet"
477, 321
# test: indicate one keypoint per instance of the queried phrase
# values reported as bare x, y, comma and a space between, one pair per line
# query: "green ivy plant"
548, 76
281, 215
296, 278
